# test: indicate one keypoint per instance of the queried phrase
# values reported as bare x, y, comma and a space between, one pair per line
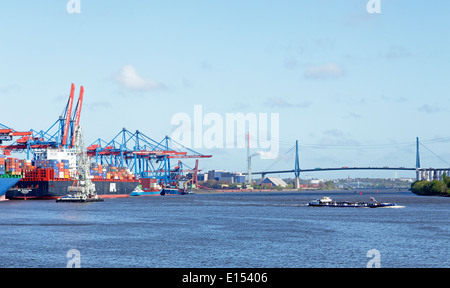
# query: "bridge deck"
333, 169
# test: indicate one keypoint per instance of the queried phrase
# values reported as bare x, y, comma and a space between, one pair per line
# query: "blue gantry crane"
144, 156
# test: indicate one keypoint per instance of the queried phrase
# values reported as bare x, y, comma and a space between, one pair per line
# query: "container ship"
148, 187
52, 173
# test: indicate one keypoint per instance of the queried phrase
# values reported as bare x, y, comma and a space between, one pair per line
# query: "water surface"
227, 230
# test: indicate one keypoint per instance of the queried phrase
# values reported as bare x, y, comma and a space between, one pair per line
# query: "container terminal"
131, 164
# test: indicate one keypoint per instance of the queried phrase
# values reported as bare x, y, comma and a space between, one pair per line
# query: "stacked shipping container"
61, 169
108, 172
2, 166
148, 184
53, 169
11, 166
14, 166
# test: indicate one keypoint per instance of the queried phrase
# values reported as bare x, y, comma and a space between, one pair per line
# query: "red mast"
77, 114
68, 113
195, 176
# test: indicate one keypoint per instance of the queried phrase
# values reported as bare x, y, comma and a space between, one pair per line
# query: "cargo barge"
328, 202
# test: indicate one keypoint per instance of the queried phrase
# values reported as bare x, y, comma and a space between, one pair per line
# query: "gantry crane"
144, 156
60, 135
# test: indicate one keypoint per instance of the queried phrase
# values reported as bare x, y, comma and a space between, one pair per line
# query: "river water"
239, 230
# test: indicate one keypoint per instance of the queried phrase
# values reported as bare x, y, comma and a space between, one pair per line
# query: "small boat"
185, 191
79, 198
146, 192
176, 191
328, 202
170, 191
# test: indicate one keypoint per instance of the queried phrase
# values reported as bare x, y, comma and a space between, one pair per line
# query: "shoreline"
432, 194
224, 191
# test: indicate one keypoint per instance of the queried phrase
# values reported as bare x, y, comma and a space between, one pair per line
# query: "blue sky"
336, 74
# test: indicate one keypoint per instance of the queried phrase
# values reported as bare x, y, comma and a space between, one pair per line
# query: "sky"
354, 88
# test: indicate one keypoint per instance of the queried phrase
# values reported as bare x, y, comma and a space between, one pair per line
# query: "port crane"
144, 156
191, 176
60, 135
8, 134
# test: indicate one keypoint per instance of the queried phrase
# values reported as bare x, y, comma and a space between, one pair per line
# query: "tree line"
435, 187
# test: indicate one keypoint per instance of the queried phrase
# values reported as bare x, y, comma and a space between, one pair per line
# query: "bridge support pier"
418, 175
431, 174
297, 183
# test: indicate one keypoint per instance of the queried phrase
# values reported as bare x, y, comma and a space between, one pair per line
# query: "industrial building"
222, 175
274, 182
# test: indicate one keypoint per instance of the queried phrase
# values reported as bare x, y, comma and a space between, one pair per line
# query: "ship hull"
5, 184
146, 193
173, 191
51, 190
353, 205
170, 191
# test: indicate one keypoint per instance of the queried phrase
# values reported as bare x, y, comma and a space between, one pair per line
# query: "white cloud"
130, 80
10, 88
428, 109
327, 71
397, 52
94, 106
290, 63
281, 102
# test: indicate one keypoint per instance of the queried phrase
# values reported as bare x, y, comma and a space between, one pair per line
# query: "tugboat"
79, 197
328, 202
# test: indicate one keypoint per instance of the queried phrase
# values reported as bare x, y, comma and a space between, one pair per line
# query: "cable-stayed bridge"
421, 173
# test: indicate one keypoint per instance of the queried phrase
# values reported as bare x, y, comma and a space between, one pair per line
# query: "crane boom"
77, 115
68, 114
191, 156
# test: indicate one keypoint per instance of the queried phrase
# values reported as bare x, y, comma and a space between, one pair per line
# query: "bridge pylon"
417, 154
297, 168
418, 175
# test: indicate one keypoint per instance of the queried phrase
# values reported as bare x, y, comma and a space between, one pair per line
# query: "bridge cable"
440, 158
279, 158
